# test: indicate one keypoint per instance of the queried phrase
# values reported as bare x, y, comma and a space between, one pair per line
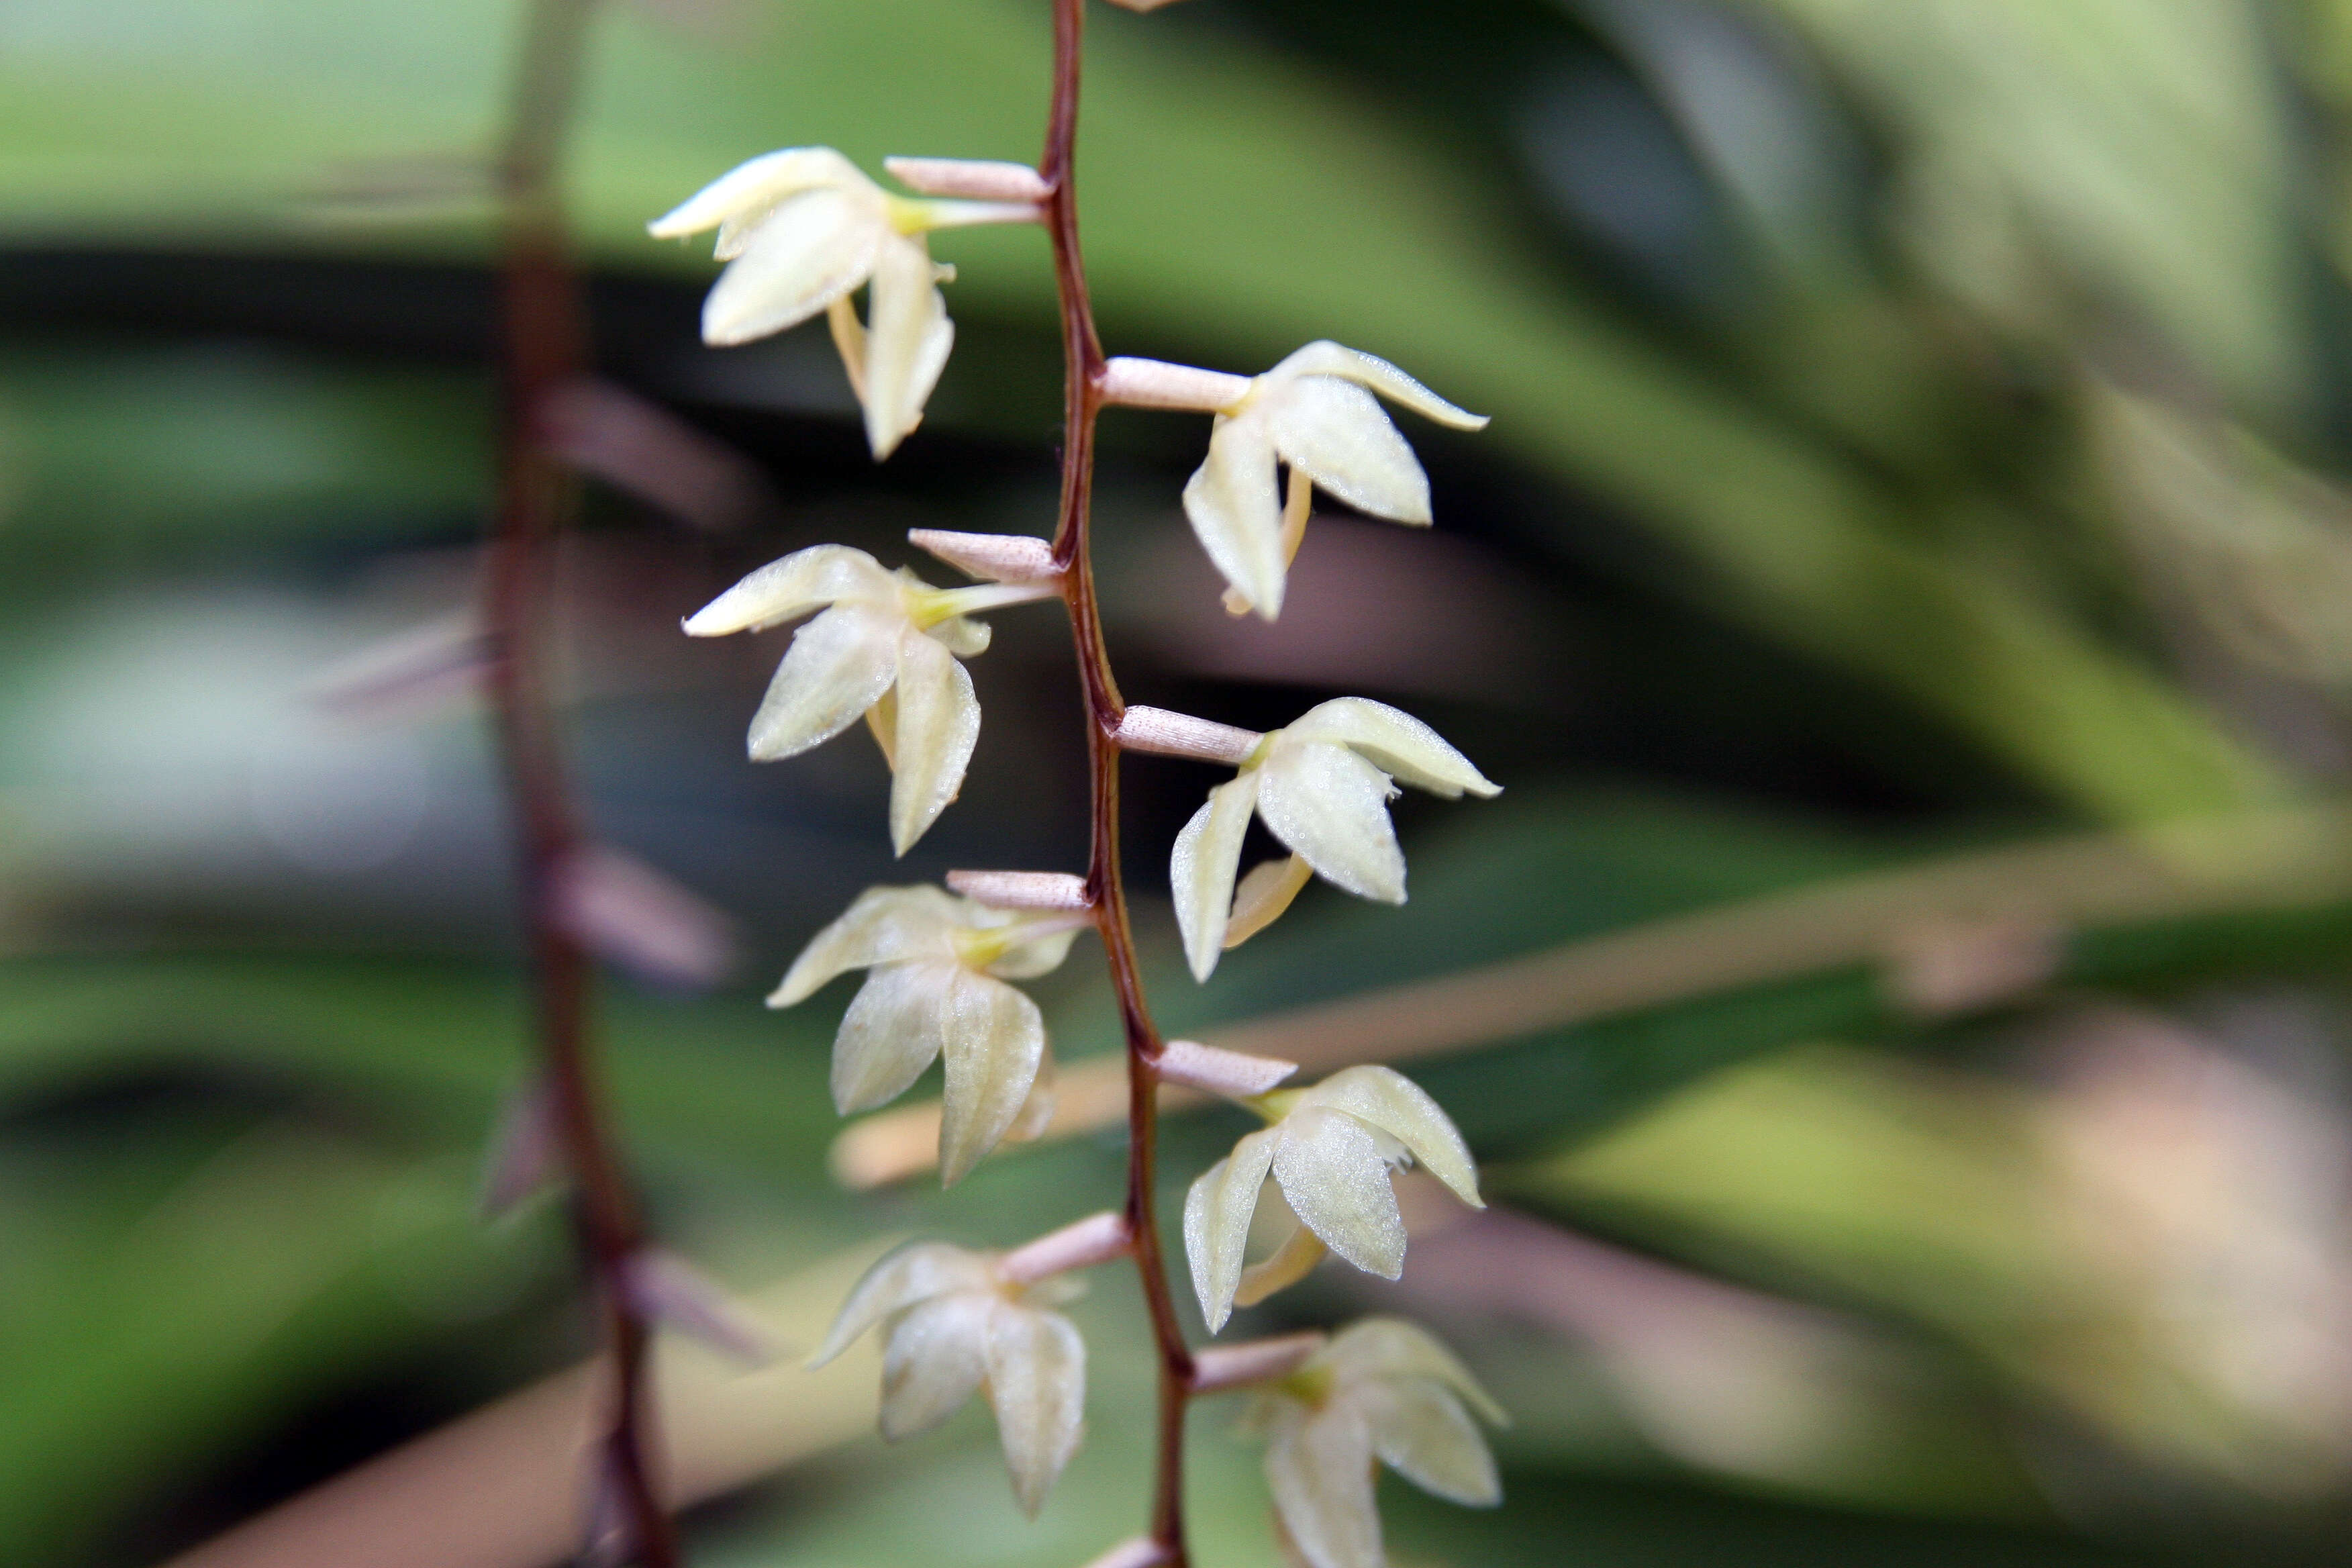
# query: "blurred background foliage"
1907, 588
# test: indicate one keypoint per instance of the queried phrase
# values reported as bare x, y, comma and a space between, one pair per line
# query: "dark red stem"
1081, 401
542, 348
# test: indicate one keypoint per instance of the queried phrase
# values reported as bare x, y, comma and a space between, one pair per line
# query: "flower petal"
1201, 869
1217, 1220
960, 635
1318, 1465
1037, 1381
910, 1274
816, 246
1421, 1431
1336, 432
782, 590
1294, 1260
750, 191
1334, 1172
839, 665
939, 725
885, 925
1038, 955
1397, 742
1331, 805
1401, 1108
993, 1037
1373, 1348
907, 338
896, 1024
1235, 513
1264, 895
935, 1360
1326, 358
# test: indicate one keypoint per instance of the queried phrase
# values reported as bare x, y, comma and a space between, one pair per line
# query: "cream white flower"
937, 967
1314, 411
886, 646
1330, 1149
1322, 787
799, 229
1381, 1389
953, 1324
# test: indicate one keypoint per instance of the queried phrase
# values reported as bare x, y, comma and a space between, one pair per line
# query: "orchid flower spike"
934, 986
1330, 1149
953, 1324
1314, 411
1322, 787
887, 647
1381, 1389
800, 230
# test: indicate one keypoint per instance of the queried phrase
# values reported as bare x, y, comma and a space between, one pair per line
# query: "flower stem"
542, 348
1081, 401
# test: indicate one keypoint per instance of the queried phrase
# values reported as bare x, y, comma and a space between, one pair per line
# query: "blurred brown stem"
541, 350
1081, 401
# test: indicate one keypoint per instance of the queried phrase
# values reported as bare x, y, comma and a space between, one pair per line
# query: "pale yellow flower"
1330, 1149
935, 987
886, 646
952, 1324
1385, 1390
799, 229
1322, 787
1314, 411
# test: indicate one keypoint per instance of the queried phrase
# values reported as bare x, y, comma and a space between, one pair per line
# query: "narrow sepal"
839, 665
1334, 1172
1201, 868
913, 1273
994, 1039
1217, 1212
938, 729
935, 1360
1037, 1382
1393, 1102
1398, 743
1330, 806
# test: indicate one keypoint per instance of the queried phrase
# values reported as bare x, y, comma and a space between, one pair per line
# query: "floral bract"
886, 647
1322, 786
1330, 1150
952, 1326
799, 230
1314, 411
1381, 1389
936, 986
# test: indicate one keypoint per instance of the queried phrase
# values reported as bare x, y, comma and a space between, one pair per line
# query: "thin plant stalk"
1081, 401
542, 348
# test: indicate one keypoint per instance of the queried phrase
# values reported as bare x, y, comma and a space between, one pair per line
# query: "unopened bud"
1098, 1238
1171, 734
980, 179
998, 557
1260, 1361
1233, 1074
1156, 384
1023, 889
